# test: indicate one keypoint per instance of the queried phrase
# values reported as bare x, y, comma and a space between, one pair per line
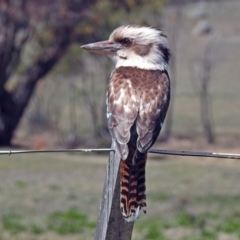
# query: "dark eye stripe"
126, 41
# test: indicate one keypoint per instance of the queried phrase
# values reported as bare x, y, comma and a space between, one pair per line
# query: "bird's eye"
126, 42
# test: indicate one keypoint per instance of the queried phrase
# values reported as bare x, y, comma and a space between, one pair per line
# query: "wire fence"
154, 151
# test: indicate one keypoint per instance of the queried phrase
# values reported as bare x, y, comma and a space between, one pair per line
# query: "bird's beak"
103, 47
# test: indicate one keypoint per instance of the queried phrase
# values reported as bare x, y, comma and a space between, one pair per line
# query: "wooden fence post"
111, 225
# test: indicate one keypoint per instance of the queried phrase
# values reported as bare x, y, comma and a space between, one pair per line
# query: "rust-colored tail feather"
132, 178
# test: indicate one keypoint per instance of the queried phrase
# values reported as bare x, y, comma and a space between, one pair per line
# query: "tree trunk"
206, 120
205, 105
169, 120
12, 105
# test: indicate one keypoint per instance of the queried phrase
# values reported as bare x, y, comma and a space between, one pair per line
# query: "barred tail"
132, 179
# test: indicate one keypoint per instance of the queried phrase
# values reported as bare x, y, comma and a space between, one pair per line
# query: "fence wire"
154, 151
86, 150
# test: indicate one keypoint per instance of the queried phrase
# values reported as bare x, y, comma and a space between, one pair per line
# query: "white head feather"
153, 40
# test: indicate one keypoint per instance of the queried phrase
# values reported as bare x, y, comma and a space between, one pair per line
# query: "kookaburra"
138, 96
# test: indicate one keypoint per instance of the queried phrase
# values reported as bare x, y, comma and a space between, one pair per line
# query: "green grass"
12, 223
188, 227
71, 221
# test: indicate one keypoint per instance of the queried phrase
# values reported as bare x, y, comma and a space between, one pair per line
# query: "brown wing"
152, 111
122, 110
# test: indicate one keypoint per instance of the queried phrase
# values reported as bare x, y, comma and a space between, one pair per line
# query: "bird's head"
135, 46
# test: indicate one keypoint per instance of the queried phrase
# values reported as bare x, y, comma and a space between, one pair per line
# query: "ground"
57, 196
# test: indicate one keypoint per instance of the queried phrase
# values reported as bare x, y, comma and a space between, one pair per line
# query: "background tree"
50, 27
173, 27
201, 71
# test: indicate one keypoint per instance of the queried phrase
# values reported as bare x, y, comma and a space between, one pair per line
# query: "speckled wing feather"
122, 109
141, 95
153, 107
